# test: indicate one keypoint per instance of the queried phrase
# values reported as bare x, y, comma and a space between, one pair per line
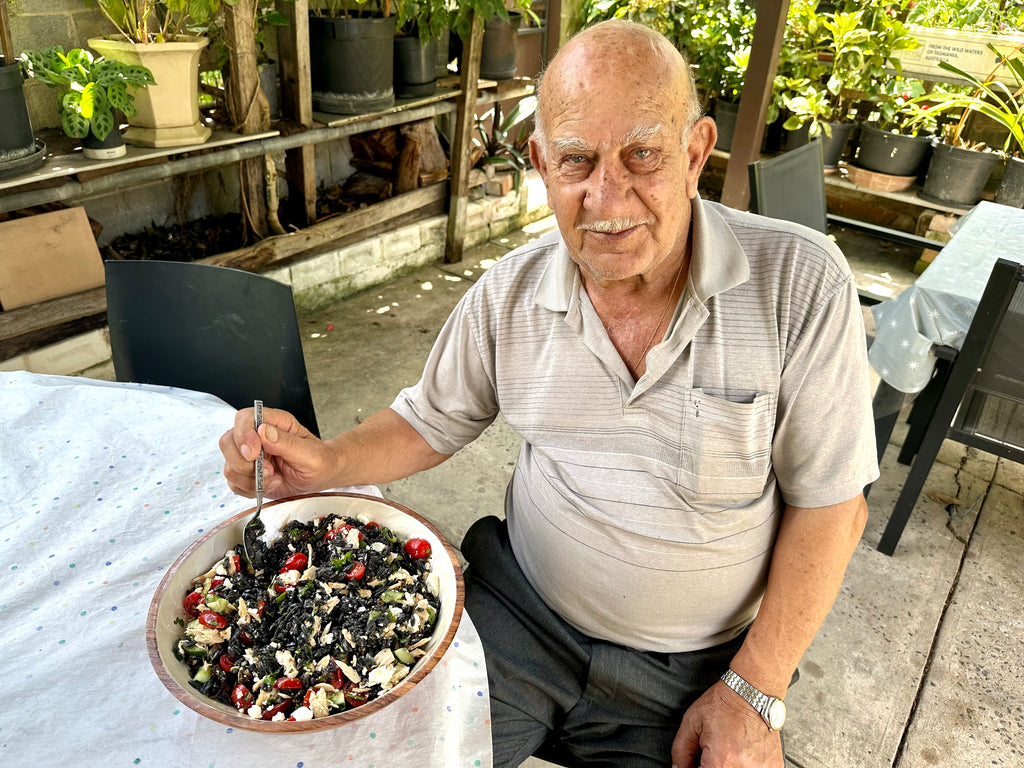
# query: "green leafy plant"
834, 61
980, 15
503, 140
158, 21
426, 18
487, 9
992, 98
93, 87
344, 9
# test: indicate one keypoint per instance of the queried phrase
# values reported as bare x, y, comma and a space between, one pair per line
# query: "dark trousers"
564, 696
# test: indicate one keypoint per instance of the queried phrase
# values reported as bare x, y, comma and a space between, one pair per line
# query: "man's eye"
643, 159
574, 159
643, 153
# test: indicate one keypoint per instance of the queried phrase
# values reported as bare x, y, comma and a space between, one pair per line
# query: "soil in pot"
16, 137
725, 120
415, 67
957, 176
499, 47
352, 64
891, 153
1011, 188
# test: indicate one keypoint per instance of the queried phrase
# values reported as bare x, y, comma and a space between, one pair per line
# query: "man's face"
619, 161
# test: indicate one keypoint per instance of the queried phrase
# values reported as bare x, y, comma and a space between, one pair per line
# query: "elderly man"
687, 494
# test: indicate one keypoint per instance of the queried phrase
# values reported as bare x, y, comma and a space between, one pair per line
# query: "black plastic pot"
415, 67
832, 147
957, 176
1011, 188
444, 55
725, 120
111, 146
891, 153
16, 138
499, 47
352, 64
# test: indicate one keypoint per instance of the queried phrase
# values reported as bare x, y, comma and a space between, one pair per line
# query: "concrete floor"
919, 663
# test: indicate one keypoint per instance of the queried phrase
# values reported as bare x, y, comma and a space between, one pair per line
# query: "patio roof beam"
754, 100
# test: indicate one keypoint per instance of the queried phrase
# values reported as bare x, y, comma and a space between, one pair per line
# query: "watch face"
777, 715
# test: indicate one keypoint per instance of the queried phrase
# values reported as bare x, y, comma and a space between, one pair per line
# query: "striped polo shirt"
644, 513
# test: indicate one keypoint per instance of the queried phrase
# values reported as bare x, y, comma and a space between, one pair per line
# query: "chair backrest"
791, 186
991, 412
224, 331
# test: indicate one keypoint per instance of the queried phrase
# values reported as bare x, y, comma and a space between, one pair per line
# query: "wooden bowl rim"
195, 700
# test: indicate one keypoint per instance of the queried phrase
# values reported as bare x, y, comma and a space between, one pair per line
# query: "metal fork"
254, 527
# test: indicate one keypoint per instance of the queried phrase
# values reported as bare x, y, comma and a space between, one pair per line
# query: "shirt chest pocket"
726, 446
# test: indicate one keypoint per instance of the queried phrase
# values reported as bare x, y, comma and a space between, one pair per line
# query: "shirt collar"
717, 262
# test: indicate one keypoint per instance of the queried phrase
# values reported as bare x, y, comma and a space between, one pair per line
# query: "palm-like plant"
992, 98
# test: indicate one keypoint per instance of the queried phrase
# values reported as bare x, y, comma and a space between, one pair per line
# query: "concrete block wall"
328, 276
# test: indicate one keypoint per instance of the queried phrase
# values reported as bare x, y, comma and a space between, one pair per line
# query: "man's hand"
721, 730
295, 460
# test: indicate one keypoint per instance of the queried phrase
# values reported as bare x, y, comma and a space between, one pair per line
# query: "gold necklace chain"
661, 318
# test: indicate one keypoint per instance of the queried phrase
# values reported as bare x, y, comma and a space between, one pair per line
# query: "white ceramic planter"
168, 111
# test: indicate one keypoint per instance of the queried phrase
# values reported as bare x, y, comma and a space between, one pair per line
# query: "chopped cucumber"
204, 673
403, 655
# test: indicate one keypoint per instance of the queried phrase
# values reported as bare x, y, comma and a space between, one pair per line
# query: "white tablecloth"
102, 486
939, 307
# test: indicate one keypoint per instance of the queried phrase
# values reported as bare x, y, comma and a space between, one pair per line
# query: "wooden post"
297, 105
248, 108
754, 100
462, 142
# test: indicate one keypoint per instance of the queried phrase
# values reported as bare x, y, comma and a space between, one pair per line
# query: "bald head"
627, 56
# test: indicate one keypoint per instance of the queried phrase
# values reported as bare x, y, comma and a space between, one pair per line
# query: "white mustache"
612, 225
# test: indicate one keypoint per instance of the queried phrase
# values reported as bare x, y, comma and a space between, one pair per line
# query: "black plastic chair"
224, 331
981, 403
791, 186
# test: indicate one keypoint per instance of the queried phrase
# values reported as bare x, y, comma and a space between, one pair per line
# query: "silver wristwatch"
772, 710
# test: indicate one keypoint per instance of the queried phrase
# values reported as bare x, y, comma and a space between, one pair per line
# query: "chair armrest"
884, 233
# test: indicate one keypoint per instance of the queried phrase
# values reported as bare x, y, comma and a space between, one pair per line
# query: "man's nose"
609, 185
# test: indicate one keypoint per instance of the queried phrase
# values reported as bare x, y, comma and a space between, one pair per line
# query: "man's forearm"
808, 563
383, 448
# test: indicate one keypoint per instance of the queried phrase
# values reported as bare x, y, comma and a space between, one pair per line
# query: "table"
102, 486
939, 307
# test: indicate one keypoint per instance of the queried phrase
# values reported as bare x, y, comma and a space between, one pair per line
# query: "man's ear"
702, 139
537, 158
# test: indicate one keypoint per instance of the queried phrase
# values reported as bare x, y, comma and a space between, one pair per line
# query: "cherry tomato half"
282, 706
355, 571
245, 638
190, 603
372, 526
296, 561
417, 549
241, 697
213, 620
226, 662
288, 684
352, 697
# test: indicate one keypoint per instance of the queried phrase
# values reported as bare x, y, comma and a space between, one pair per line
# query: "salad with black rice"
337, 612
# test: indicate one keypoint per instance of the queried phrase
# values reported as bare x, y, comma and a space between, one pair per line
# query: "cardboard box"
47, 256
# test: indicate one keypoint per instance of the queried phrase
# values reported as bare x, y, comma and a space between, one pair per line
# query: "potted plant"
502, 143
92, 88
351, 50
896, 139
20, 152
959, 171
844, 59
161, 36
501, 29
419, 26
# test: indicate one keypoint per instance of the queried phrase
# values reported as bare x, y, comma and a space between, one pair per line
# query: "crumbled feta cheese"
284, 658
381, 675
378, 546
303, 713
255, 712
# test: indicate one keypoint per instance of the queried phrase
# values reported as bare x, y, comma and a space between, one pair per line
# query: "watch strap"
760, 701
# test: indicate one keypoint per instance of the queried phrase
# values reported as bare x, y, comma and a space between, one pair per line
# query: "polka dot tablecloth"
102, 486
939, 307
